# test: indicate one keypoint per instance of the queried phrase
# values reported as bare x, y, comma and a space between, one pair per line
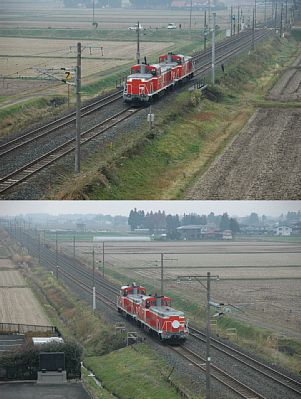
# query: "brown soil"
260, 163
17, 302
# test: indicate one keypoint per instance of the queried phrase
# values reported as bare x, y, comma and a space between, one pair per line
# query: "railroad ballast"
148, 81
152, 312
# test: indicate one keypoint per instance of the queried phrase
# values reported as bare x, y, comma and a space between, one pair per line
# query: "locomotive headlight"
175, 324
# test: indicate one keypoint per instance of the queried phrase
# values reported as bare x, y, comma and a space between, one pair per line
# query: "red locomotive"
148, 81
154, 313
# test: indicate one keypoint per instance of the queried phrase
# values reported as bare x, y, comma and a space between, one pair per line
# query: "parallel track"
226, 379
269, 372
26, 171
45, 130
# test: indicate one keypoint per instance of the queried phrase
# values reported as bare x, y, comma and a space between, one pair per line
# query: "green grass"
291, 239
154, 35
133, 372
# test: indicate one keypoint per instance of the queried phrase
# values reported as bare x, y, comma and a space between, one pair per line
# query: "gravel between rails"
260, 163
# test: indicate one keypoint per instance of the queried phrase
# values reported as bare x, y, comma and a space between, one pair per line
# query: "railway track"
270, 373
220, 375
27, 170
45, 130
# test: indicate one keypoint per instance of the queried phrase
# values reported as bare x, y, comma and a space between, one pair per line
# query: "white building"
283, 231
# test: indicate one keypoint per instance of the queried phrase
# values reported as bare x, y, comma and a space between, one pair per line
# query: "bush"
24, 364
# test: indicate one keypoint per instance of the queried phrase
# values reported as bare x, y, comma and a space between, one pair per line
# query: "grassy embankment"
189, 133
104, 351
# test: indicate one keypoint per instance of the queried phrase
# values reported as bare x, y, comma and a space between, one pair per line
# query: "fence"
12, 328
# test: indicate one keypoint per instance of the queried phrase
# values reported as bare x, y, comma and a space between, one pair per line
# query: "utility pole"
265, 12
238, 20
78, 106
93, 20
39, 242
281, 19
231, 18
190, 16
56, 256
205, 30
213, 50
285, 12
276, 16
73, 247
255, 15
93, 282
138, 44
162, 261
103, 259
199, 279
253, 30
208, 334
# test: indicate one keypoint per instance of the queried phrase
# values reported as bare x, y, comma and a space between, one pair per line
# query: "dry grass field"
17, 302
261, 279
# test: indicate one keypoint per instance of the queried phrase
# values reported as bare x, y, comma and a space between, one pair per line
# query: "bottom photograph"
150, 299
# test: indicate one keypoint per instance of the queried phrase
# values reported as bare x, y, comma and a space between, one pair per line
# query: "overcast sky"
236, 208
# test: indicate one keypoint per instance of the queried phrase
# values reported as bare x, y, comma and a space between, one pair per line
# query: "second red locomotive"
154, 313
148, 81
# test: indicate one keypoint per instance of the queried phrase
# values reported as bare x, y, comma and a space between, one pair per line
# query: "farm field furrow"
260, 163
17, 302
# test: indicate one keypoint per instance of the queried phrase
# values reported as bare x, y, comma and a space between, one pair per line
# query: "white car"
135, 27
172, 26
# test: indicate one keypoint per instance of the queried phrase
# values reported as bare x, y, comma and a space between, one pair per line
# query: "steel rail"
47, 257
64, 121
23, 173
247, 360
220, 375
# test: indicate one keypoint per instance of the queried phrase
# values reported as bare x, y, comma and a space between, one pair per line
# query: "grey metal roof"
141, 76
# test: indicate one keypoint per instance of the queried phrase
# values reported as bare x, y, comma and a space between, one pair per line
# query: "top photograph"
150, 100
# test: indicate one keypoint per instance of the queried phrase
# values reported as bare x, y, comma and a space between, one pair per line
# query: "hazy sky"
237, 208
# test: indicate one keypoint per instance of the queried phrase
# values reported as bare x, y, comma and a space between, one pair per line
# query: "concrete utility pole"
265, 12
103, 258
281, 20
253, 30
93, 20
208, 335
138, 43
238, 27
56, 256
199, 279
255, 15
231, 19
213, 50
276, 6
205, 30
162, 276
74, 247
190, 17
78, 107
93, 282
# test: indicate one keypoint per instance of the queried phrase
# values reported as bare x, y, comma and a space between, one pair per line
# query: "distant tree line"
89, 3
156, 222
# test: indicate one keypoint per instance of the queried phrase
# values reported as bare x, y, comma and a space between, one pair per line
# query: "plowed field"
17, 303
